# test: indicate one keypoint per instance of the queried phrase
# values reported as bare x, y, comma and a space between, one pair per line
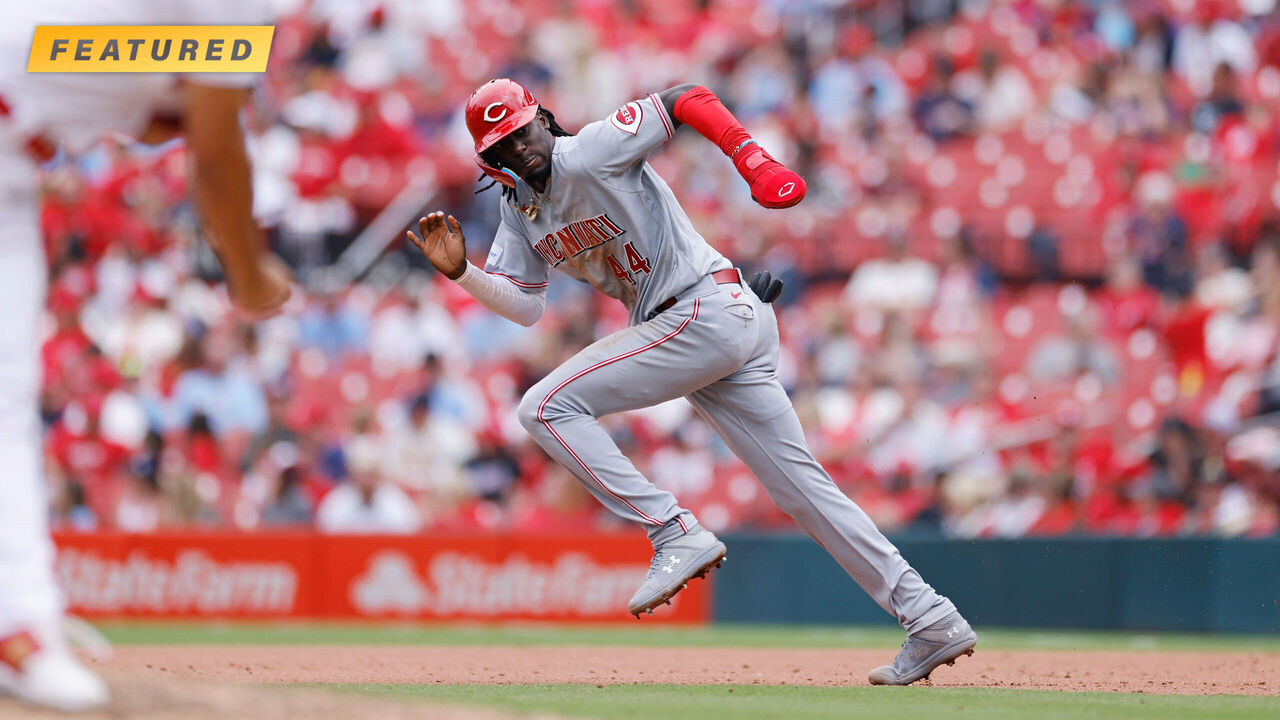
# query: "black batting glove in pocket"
765, 286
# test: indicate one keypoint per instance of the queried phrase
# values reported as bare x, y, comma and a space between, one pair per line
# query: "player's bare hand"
442, 242
261, 290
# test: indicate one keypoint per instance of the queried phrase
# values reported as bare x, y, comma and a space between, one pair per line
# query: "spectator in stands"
853, 90
1079, 351
416, 326
1184, 334
146, 461
896, 282
212, 385
998, 91
70, 510
1264, 313
1135, 101
1178, 465
333, 326
916, 440
1207, 42
900, 360
1152, 52
493, 471
1081, 93
1018, 510
289, 506
192, 481
365, 503
1223, 103
320, 50
685, 466
428, 454
1159, 235
1265, 274
1219, 284
143, 334
1125, 303
64, 349
140, 507
1044, 251
279, 428
525, 67
1060, 515
939, 111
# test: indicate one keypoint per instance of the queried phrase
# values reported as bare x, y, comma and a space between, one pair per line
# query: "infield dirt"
1162, 672
208, 682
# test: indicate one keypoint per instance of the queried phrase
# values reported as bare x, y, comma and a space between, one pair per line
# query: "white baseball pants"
718, 346
29, 594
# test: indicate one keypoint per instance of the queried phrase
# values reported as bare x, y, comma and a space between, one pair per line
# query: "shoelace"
903, 652
658, 559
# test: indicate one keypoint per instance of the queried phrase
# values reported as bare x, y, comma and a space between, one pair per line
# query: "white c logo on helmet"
489, 110
786, 189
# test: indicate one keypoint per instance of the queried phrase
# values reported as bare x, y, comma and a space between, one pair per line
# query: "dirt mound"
1187, 673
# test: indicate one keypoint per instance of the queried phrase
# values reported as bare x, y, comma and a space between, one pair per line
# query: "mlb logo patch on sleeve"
627, 119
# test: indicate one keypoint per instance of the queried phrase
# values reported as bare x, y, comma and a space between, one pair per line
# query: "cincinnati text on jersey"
576, 237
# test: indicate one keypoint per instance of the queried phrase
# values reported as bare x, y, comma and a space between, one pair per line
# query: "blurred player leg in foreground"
34, 662
39, 113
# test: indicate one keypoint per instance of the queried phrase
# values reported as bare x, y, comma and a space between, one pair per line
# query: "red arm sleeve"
701, 110
772, 185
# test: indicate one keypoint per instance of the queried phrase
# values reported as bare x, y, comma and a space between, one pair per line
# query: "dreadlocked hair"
556, 131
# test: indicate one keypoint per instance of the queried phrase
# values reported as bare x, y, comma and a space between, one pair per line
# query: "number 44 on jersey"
637, 263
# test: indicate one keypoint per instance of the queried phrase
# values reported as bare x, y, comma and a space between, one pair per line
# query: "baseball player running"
590, 205
38, 113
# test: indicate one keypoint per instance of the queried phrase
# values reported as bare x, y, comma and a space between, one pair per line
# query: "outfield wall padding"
1103, 583
472, 577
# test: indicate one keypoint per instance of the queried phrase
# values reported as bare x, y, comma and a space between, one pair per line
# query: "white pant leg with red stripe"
720, 350
665, 358
750, 410
29, 595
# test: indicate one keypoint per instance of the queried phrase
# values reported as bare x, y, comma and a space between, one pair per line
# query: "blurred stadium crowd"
1035, 288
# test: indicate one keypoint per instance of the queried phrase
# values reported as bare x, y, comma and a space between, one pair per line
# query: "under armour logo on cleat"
669, 568
952, 631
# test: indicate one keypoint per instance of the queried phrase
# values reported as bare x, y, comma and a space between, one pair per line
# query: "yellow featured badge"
150, 48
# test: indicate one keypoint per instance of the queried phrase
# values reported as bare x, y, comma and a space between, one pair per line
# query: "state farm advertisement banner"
575, 578
174, 575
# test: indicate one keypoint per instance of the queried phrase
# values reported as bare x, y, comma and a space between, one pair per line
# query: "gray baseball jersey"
606, 217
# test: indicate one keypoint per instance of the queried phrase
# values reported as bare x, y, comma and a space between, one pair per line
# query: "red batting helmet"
496, 109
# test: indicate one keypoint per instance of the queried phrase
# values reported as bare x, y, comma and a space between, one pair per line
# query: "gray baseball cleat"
674, 564
941, 642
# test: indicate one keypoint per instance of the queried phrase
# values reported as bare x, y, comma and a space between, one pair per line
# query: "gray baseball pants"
717, 346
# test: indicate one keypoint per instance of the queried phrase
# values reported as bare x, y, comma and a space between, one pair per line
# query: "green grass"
644, 702
640, 634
